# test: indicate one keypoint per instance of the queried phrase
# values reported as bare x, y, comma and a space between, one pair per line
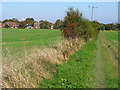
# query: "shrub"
22, 25
107, 28
6, 26
76, 26
102, 27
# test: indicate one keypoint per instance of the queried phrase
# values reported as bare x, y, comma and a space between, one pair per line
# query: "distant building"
11, 24
15, 25
22, 19
29, 26
37, 25
52, 26
0, 24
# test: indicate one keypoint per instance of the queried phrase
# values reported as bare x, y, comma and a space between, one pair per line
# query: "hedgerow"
76, 26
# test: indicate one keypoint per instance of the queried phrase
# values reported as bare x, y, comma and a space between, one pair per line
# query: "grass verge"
78, 72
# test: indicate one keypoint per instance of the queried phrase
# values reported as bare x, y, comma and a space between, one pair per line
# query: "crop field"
17, 39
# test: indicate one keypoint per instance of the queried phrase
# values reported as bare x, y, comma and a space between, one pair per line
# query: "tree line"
111, 26
72, 19
44, 24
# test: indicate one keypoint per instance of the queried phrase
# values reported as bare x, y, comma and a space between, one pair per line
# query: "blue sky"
107, 12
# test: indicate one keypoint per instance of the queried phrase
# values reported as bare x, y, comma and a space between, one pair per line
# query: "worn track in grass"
100, 80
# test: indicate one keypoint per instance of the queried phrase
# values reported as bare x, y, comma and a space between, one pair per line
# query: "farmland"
94, 65
16, 39
70, 45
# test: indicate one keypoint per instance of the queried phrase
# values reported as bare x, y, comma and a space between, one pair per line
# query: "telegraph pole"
92, 12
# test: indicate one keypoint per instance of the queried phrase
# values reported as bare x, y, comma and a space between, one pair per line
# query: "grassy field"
16, 39
95, 65
112, 36
109, 48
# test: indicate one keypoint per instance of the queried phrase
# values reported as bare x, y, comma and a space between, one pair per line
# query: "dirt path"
100, 80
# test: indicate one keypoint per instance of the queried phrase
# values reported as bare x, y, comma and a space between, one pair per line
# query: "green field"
16, 39
109, 49
111, 36
95, 65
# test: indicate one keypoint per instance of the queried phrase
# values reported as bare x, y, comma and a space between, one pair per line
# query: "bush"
76, 26
22, 25
102, 27
107, 28
7, 26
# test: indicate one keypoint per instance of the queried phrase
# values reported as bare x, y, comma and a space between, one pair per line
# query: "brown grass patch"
28, 71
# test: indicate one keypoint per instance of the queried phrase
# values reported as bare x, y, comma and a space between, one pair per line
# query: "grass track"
100, 79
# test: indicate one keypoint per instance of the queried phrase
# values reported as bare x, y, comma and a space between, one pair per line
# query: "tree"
22, 25
71, 24
10, 20
6, 20
102, 27
76, 26
14, 19
45, 24
42, 25
6, 26
30, 21
107, 27
41, 21
58, 24
117, 26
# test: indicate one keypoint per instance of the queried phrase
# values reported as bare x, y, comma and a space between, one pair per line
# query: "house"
29, 26
0, 24
52, 26
37, 25
22, 19
15, 25
11, 24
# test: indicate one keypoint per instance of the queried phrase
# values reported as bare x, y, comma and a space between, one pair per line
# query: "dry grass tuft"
28, 71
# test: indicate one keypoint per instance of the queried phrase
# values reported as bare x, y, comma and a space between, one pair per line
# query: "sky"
119, 12
107, 12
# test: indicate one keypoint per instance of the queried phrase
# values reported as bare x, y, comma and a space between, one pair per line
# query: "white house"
51, 26
23, 19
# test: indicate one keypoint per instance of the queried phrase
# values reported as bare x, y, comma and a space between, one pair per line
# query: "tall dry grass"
28, 71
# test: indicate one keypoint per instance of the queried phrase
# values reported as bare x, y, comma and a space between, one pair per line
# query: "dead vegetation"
28, 71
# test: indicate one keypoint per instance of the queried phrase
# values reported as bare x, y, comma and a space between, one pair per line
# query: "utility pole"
92, 12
